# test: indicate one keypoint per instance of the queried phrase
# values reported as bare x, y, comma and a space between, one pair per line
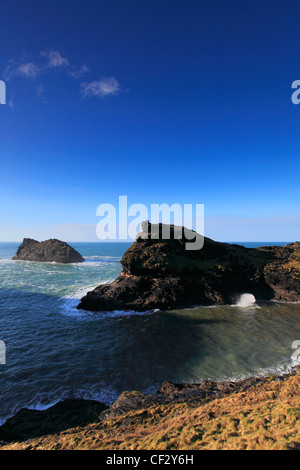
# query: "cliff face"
254, 414
48, 251
163, 274
282, 274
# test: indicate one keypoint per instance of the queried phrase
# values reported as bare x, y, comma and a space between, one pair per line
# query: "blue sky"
163, 101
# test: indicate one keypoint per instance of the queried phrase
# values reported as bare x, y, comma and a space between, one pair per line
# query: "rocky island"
161, 274
48, 251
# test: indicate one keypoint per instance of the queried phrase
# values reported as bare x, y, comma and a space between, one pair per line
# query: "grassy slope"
263, 417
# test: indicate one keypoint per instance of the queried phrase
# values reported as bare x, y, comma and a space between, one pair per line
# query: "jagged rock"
161, 274
208, 388
50, 250
133, 400
192, 393
27, 424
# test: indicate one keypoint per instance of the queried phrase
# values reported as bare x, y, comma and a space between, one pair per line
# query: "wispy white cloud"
77, 73
55, 59
21, 69
104, 87
29, 70
39, 91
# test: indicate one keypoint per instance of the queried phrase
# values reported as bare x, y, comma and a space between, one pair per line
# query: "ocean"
54, 351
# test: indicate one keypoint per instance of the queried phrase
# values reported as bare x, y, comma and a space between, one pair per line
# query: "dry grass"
263, 417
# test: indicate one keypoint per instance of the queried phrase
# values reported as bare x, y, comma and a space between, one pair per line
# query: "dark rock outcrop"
162, 274
48, 251
27, 424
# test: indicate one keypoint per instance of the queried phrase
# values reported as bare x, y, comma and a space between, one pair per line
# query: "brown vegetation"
265, 416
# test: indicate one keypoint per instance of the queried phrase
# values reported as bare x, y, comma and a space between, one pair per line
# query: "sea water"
54, 351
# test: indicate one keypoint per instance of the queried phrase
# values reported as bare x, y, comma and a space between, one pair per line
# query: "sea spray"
246, 300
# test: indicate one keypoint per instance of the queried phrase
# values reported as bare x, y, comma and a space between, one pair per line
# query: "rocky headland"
47, 251
161, 274
255, 413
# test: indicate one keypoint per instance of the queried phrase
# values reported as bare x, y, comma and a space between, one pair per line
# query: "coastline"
80, 416
108, 397
76, 413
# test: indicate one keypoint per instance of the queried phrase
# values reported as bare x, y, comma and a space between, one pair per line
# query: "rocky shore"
161, 274
254, 413
48, 251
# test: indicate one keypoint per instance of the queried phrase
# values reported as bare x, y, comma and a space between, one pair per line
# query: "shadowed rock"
161, 274
27, 424
48, 251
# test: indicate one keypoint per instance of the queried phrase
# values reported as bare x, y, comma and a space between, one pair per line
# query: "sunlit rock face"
161, 274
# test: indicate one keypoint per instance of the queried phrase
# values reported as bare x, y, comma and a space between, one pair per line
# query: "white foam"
127, 313
282, 368
95, 392
279, 369
69, 307
88, 264
246, 300
7, 261
69, 303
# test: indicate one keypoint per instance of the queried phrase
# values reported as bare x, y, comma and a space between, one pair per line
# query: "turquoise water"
55, 351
